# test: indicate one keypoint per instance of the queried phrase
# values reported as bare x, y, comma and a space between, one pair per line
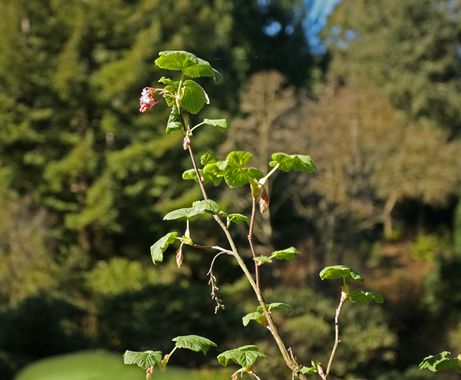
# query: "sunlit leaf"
336, 272
157, 249
254, 316
289, 162
285, 254
443, 361
193, 97
263, 260
207, 205
220, 124
308, 370
144, 359
188, 63
237, 218
194, 342
245, 356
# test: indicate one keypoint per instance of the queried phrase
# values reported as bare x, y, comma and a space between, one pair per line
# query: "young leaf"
174, 120
442, 361
193, 97
236, 218
188, 213
291, 162
207, 158
220, 124
194, 342
233, 170
244, 356
239, 158
165, 80
157, 249
263, 260
207, 205
308, 370
207, 177
277, 306
254, 316
144, 359
363, 296
336, 272
285, 254
188, 63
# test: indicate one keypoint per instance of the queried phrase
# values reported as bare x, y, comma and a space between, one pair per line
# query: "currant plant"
185, 96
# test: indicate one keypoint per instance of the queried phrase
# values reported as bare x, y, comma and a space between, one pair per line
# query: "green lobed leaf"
193, 97
144, 359
187, 213
194, 342
245, 356
336, 272
285, 254
442, 361
289, 162
258, 315
157, 249
365, 297
232, 169
220, 124
174, 120
207, 158
207, 205
188, 63
239, 158
207, 177
254, 316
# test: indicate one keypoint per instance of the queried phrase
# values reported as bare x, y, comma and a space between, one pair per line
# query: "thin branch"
291, 364
342, 300
250, 238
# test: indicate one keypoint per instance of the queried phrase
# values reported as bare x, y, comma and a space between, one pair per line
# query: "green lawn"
91, 365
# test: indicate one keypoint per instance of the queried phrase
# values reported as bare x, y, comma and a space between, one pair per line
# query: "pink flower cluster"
147, 101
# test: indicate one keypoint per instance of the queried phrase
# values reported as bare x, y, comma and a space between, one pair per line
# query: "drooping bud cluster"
147, 101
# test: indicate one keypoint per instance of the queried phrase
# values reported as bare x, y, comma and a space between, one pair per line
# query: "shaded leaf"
244, 356
291, 162
442, 361
336, 272
365, 297
194, 342
144, 359
174, 120
157, 249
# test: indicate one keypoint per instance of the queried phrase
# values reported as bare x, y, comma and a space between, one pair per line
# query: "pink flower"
147, 101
